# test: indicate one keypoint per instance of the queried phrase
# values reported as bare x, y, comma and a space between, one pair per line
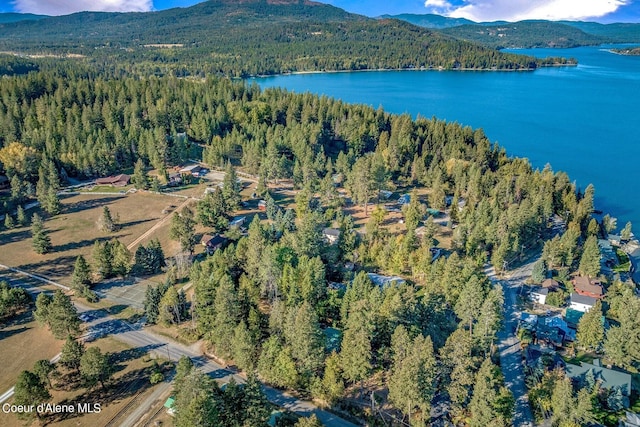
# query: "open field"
74, 231
22, 343
129, 385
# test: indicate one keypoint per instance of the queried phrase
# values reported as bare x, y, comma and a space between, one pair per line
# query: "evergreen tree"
590, 334
71, 353
311, 421
231, 188
539, 272
106, 223
590, 260
303, 334
21, 216
62, 316
152, 298
95, 367
243, 348
356, 354
40, 239
121, 258
43, 301
102, 259
42, 369
140, 178
195, 403
212, 211
226, 317
625, 234
491, 404
30, 390
183, 229
459, 366
8, 221
257, 408
81, 276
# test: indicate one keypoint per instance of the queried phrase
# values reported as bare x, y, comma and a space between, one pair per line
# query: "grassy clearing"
74, 231
22, 343
624, 264
130, 383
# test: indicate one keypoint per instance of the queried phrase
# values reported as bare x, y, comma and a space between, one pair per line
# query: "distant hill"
525, 34
429, 20
616, 33
528, 34
16, 17
250, 37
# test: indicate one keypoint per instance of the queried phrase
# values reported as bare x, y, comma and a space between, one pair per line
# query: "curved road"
136, 336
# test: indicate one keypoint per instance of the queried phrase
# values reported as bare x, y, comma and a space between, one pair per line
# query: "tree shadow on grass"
15, 236
142, 221
83, 205
6, 334
84, 243
61, 266
131, 353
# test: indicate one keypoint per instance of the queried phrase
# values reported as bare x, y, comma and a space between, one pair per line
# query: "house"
559, 323
115, 181
528, 319
550, 284
175, 179
588, 287
262, 205
405, 199
385, 194
331, 235
582, 303
572, 317
4, 182
213, 243
539, 295
614, 239
609, 379
191, 170
385, 281
237, 222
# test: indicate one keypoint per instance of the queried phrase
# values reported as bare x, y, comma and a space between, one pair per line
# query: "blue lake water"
583, 120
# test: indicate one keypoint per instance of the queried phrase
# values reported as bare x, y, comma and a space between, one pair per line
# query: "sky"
477, 10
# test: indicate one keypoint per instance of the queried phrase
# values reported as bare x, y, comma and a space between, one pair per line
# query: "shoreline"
421, 69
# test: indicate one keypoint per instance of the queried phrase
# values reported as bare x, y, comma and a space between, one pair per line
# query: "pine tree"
62, 316
305, 338
625, 234
42, 369
590, 334
257, 408
355, 357
40, 240
21, 216
226, 317
140, 179
243, 348
102, 259
95, 367
30, 390
71, 353
106, 223
8, 221
81, 276
231, 187
539, 272
121, 258
590, 260
491, 404
183, 229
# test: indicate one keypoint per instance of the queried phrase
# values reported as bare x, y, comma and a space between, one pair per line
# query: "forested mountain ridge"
525, 34
250, 38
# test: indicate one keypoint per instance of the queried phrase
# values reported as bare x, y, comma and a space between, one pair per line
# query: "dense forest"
256, 37
263, 302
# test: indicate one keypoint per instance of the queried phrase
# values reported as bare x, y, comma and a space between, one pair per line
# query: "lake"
583, 120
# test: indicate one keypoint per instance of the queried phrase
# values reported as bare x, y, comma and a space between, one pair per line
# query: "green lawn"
623, 262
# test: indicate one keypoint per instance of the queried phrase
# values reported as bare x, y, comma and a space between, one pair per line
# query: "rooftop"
582, 299
609, 377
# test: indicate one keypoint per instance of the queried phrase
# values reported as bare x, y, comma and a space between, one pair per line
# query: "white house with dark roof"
582, 303
539, 295
331, 235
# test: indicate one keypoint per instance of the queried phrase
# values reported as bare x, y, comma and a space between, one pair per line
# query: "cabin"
331, 235
213, 243
262, 205
588, 287
582, 303
115, 181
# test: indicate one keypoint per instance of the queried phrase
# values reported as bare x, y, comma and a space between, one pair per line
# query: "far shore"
291, 73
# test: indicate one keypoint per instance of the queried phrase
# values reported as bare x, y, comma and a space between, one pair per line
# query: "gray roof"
581, 299
609, 377
540, 291
331, 232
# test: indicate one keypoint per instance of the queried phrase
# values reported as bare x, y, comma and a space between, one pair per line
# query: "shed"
191, 170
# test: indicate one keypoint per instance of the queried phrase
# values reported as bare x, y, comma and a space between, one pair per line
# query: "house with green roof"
608, 378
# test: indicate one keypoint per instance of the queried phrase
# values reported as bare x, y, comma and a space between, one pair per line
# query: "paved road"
101, 324
509, 345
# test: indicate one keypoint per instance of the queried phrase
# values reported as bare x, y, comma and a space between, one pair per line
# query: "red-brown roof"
122, 179
588, 287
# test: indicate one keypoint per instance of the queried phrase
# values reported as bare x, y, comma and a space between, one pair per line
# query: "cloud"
65, 7
517, 10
